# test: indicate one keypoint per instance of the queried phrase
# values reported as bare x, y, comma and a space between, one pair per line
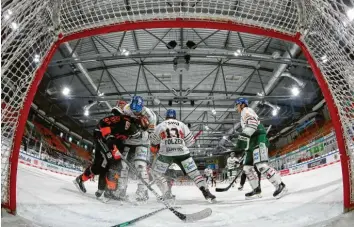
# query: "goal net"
33, 29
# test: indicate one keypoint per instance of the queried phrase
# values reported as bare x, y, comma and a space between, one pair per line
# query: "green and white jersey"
249, 121
173, 136
232, 162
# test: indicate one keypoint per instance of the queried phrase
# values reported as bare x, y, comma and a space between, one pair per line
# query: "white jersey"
232, 162
144, 139
173, 136
249, 121
208, 172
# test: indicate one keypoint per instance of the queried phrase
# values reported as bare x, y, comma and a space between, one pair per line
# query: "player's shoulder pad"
126, 108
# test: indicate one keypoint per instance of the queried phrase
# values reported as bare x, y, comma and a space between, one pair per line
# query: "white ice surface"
314, 199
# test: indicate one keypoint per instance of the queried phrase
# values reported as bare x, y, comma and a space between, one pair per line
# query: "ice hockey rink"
314, 199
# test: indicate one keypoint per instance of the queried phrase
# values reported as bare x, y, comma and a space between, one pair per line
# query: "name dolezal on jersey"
173, 141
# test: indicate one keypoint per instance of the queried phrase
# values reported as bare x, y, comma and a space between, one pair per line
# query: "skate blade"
105, 199
253, 197
212, 201
283, 193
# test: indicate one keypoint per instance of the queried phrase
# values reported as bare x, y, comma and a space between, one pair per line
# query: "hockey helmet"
137, 104
232, 154
171, 113
241, 101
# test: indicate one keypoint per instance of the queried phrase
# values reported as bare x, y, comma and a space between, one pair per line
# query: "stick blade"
221, 189
198, 215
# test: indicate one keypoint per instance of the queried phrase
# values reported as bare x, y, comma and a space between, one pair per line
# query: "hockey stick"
184, 217
141, 217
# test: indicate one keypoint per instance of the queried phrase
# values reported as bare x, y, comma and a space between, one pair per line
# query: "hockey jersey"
249, 121
173, 136
144, 139
232, 162
118, 126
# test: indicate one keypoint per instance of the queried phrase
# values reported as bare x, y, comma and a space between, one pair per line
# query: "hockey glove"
243, 142
143, 121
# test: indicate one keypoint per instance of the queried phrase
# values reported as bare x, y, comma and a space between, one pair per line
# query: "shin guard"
251, 176
270, 173
191, 170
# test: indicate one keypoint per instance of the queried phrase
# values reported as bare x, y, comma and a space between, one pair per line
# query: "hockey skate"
79, 184
108, 195
280, 191
99, 193
240, 188
141, 196
207, 195
256, 193
168, 197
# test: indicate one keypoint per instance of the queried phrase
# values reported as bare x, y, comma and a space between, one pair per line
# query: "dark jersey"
119, 126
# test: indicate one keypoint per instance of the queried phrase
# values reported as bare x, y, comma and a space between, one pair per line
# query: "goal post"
34, 29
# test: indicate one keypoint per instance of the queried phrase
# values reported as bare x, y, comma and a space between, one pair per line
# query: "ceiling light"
238, 52
350, 14
36, 58
213, 111
295, 91
275, 112
275, 55
198, 145
14, 25
100, 94
86, 113
7, 14
206, 127
156, 101
125, 52
324, 58
66, 91
224, 137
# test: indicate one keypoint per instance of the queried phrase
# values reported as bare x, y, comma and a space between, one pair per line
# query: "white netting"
28, 25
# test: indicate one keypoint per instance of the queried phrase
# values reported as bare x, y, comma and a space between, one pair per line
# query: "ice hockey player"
253, 140
136, 149
208, 172
171, 140
232, 164
112, 130
243, 178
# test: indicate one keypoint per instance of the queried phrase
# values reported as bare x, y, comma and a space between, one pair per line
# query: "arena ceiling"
198, 72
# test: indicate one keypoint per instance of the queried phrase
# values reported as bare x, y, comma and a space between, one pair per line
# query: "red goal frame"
179, 23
